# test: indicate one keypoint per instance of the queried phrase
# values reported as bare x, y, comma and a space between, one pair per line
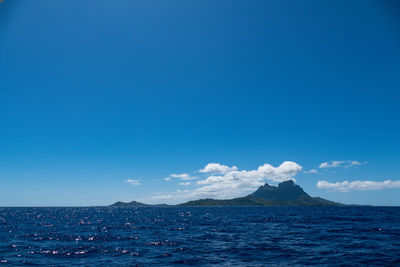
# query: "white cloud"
133, 182
311, 171
347, 186
185, 184
340, 163
217, 168
230, 182
182, 176
287, 170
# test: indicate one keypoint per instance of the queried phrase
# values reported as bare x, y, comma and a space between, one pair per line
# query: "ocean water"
209, 236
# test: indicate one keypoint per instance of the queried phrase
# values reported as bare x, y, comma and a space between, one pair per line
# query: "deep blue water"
238, 236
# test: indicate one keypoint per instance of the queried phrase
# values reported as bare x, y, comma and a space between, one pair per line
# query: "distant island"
285, 194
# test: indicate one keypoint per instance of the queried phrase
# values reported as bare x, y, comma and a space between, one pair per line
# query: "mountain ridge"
287, 193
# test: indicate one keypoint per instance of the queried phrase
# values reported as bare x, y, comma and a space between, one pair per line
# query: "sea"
200, 236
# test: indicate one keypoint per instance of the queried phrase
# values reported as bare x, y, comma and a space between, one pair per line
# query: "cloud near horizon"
229, 182
340, 163
347, 186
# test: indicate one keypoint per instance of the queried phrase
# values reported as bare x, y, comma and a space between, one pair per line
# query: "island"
285, 194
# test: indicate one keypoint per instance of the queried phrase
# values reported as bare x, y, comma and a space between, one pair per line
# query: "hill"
136, 204
285, 194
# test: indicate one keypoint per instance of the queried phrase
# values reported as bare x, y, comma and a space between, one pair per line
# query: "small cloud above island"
133, 182
340, 163
217, 168
311, 171
182, 176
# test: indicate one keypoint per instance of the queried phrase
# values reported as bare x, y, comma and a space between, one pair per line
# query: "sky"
167, 101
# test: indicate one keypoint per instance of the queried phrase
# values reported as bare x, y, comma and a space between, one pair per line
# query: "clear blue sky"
95, 93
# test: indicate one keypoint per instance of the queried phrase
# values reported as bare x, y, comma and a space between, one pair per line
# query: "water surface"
238, 236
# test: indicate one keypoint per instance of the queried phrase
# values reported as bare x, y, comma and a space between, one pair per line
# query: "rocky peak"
286, 190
